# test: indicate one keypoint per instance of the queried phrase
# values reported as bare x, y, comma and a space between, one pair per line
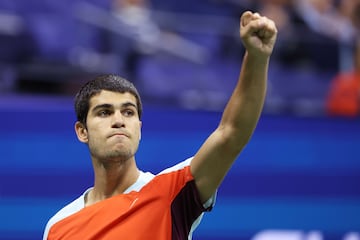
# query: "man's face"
113, 128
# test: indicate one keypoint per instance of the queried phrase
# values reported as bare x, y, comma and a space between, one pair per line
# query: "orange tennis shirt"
162, 207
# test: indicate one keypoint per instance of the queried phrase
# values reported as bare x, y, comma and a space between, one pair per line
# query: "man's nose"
118, 120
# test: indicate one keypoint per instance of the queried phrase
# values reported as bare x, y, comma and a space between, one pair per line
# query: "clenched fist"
258, 34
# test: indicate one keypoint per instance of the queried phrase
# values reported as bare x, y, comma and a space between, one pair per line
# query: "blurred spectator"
331, 30
356, 16
299, 45
344, 95
328, 18
137, 21
132, 34
289, 50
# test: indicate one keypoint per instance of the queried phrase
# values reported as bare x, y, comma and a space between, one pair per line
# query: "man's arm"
242, 112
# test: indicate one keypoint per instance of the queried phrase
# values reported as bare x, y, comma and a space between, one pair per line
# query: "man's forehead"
112, 98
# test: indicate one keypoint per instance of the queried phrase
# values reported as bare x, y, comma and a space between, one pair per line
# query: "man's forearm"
245, 105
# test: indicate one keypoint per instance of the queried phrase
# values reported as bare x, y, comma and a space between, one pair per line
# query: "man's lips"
118, 134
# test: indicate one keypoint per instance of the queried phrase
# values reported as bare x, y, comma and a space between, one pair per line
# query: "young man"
126, 203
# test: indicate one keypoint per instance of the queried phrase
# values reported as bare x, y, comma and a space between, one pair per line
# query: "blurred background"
299, 177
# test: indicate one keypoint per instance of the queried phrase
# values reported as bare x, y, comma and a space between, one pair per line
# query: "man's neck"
112, 180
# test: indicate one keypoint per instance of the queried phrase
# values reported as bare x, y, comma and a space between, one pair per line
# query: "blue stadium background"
298, 178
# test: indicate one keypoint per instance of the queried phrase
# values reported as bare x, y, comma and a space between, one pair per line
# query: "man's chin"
118, 156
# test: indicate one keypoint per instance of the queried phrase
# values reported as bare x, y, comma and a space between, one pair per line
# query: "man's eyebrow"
129, 104
101, 106
107, 106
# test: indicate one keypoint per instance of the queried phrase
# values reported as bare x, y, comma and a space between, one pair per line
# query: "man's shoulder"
178, 166
147, 177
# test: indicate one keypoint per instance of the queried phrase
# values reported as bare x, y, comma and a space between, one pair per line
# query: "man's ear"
81, 132
140, 131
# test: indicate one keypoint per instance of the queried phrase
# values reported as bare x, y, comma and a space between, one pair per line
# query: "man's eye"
128, 112
103, 113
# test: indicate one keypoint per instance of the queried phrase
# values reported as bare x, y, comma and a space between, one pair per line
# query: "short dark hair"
110, 82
